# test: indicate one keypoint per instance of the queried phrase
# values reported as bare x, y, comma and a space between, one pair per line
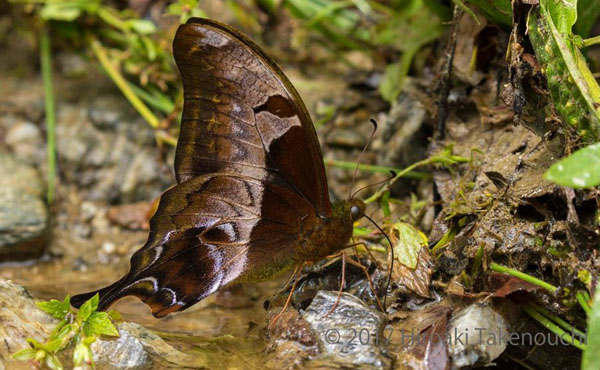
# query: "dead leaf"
419, 278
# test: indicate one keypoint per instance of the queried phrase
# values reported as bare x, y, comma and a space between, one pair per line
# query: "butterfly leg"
296, 278
354, 245
366, 272
342, 283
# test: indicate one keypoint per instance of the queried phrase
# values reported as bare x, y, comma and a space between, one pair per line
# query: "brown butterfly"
251, 198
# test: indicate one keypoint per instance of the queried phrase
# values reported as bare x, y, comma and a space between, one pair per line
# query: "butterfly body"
251, 198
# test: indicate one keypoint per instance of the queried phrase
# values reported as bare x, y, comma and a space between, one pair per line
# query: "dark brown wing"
242, 115
250, 177
206, 233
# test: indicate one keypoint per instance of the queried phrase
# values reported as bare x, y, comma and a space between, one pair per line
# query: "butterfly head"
356, 207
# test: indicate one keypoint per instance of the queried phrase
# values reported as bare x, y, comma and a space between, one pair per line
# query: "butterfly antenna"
393, 175
362, 154
392, 252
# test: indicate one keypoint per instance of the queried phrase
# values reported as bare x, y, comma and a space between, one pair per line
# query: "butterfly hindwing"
202, 239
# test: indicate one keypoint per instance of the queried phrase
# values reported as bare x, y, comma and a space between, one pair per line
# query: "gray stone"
23, 212
351, 335
485, 332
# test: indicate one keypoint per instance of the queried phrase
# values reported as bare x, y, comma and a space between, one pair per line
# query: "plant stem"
523, 276
164, 137
400, 174
376, 169
557, 320
591, 41
121, 83
553, 327
46, 64
583, 299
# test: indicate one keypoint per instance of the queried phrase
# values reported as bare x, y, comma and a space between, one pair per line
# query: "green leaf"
579, 170
591, 360
88, 308
150, 48
53, 363
60, 12
35, 344
99, 323
24, 354
55, 307
61, 331
53, 345
410, 241
83, 353
393, 77
141, 26
79, 354
563, 13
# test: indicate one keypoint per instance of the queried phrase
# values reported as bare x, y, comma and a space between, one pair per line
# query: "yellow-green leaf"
24, 354
409, 241
55, 307
88, 308
99, 323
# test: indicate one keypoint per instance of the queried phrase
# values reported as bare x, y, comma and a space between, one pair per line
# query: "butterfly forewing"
242, 115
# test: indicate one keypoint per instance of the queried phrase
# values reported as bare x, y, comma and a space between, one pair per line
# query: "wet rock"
351, 335
485, 335
23, 212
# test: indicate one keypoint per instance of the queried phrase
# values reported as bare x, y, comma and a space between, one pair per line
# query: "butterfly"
251, 199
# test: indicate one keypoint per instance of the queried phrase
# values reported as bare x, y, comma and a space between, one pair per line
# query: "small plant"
80, 329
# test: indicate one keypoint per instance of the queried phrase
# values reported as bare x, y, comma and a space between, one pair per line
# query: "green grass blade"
46, 64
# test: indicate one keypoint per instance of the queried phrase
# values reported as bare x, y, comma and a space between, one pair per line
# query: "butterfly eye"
355, 212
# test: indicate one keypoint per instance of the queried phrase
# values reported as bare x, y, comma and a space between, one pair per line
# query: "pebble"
25, 141
488, 333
